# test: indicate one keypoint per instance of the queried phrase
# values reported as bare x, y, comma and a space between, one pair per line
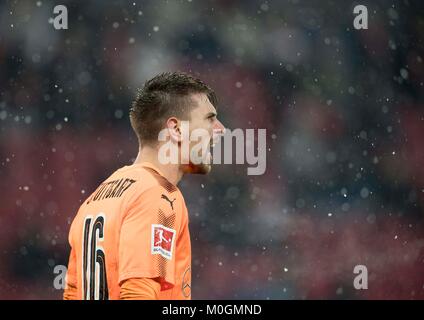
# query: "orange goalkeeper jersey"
135, 225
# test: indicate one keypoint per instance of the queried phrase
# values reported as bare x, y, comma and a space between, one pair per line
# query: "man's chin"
197, 168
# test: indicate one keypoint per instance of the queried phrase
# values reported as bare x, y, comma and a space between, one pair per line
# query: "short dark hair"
165, 95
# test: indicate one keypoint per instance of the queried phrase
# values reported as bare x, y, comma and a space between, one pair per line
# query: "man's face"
204, 128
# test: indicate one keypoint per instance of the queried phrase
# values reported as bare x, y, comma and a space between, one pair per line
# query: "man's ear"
174, 129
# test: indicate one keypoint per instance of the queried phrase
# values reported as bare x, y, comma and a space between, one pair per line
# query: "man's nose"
218, 131
219, 128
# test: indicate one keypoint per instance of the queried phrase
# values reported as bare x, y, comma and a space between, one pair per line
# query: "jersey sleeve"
139, 289
71, 291
148, 238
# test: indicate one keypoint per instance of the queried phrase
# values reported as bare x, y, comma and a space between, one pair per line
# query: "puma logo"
170, 202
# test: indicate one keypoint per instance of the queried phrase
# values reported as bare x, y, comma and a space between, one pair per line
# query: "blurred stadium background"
344, 116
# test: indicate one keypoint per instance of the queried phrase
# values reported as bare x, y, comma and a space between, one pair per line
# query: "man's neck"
172, 172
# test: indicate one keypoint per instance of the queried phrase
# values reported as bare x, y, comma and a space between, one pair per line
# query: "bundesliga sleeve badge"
162, 240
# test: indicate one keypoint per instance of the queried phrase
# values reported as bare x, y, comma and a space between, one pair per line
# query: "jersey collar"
151, 166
